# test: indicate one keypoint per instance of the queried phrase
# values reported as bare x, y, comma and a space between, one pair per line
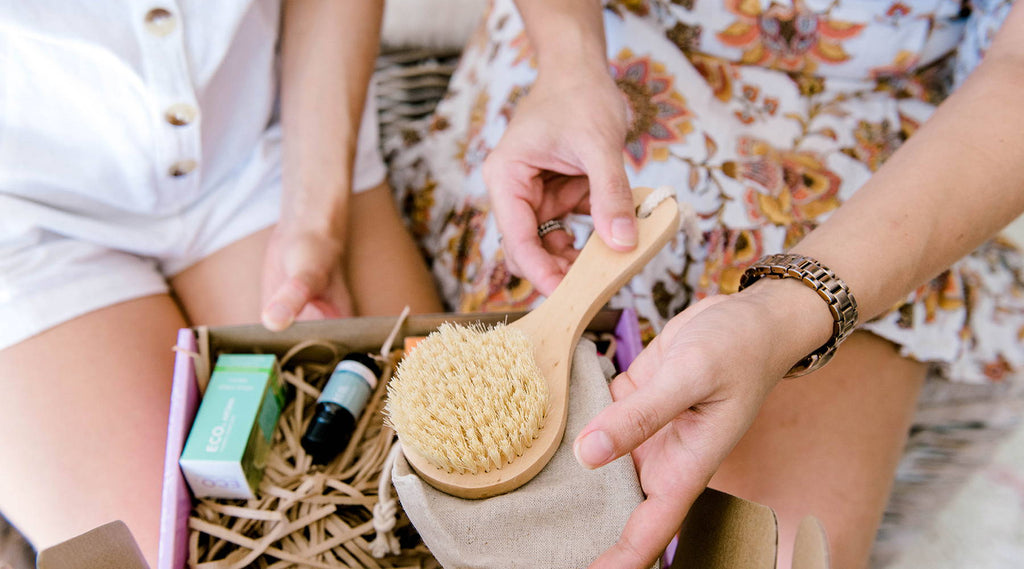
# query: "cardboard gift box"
720, 532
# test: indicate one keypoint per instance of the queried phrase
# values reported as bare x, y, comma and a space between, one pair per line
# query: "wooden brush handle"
599, 271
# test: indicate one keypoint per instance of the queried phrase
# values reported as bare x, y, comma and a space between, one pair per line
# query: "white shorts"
56, 264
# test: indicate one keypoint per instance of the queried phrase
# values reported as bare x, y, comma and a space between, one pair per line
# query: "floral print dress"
765, 116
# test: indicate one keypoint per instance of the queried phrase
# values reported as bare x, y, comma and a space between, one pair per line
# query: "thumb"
611, 202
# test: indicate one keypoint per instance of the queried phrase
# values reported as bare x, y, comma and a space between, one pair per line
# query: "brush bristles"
468, 399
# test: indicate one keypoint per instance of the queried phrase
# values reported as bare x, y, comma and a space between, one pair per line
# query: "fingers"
295, 300
286, 303
304, 278
508, 185
321, 309
648, 531
535, 263
611, 201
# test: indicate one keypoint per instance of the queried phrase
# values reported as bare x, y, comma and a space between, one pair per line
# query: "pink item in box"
176, 501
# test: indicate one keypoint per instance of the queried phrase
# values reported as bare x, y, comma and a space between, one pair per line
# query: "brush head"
468, 399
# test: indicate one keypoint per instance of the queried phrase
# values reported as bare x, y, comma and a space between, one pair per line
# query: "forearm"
565, 34
949, 188
328, 52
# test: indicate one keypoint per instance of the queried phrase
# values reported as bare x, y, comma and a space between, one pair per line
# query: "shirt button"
182, 168
180, 114
160, 21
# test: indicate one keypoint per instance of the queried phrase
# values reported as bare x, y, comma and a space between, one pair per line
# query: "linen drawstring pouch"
565, 517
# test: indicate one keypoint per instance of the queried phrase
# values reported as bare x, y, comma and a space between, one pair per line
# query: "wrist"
592, 78
316, 183
604, 100
566, 38
794, 314
323, 211
329, 235
573, 52
826, 284
572, 60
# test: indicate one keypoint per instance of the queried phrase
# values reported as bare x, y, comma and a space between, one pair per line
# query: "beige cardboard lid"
722, 531
110, 546
810, 551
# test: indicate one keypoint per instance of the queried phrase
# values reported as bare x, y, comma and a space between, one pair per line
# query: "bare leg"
85, 427
385, 270
828, 445
224, 288
85, 422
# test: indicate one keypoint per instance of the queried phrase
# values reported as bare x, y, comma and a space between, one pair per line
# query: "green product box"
227, 448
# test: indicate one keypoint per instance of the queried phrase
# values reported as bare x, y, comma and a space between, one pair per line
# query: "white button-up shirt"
137, 106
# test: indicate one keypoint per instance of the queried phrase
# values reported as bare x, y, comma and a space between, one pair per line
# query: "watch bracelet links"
829, 287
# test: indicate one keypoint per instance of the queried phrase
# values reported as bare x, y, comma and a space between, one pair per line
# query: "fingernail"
277, 317
624, 231
594, 449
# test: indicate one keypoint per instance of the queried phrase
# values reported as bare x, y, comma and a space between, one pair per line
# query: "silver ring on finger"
552, 225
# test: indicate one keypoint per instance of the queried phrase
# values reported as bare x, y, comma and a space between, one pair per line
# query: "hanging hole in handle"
652, 201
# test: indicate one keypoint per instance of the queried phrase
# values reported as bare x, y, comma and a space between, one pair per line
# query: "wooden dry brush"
321, 517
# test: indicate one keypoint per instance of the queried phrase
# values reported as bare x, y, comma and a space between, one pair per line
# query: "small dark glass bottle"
339, 406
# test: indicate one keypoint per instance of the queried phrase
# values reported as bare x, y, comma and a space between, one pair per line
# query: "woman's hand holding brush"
690, 396
561, 154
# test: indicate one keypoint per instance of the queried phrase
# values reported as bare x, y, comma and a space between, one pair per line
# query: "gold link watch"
829, 287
